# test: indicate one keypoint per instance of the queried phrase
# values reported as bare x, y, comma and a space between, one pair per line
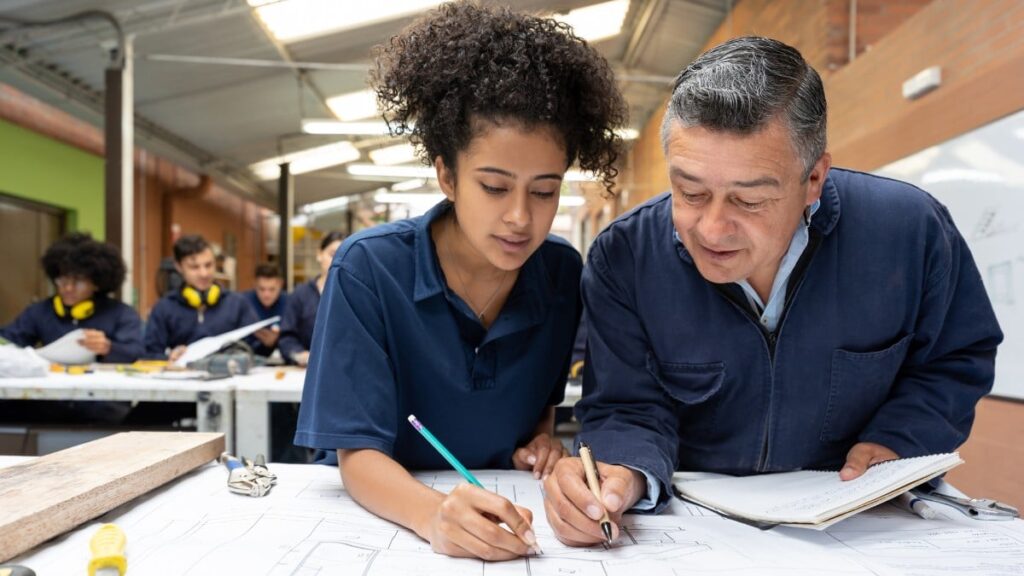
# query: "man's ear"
445, 178
816, 179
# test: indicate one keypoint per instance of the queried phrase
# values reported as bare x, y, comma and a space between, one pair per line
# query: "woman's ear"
445, 178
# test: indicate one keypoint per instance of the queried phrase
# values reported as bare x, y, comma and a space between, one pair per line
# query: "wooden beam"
52, 494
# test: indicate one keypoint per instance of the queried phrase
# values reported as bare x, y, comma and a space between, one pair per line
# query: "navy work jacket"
298, 320
39, 325
887, 336
173, 322
392, 339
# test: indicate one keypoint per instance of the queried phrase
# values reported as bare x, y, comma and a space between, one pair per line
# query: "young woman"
84, 272
465, 316
300, 313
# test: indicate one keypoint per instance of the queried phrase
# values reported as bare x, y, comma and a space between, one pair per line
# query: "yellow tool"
107, 547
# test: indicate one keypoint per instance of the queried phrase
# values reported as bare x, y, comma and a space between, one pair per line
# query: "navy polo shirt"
173, 322
39, 324
263, 312
391, 339
298, 320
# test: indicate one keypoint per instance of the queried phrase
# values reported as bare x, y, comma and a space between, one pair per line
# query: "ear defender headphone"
79, 311
197, 299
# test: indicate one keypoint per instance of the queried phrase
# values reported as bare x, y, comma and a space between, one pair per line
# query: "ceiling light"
407, 198
306, 160
408, 185
628, 133
597, 21
391, 155
354, 105
316, 126
396, 172
329, 205
406, 172
293, 20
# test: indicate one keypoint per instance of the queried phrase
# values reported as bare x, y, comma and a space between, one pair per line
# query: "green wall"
38, 168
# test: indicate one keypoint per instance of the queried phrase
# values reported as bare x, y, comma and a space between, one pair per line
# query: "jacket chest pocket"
859, 383
694, 387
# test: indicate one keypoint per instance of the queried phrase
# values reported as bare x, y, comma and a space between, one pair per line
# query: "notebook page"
811, 496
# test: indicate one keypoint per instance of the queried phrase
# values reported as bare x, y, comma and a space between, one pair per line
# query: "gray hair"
742, 84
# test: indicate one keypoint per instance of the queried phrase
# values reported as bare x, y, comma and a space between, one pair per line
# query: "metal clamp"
976, 508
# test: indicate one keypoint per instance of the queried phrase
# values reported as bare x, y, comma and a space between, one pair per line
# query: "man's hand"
863, 455
301, 358
267, 336
96, 342
572, 510
540, 455
176, 353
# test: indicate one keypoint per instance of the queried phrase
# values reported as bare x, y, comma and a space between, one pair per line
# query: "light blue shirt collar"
771, 311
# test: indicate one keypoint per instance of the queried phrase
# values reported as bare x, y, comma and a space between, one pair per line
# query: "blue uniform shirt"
39, 325
298, 320
172, 322
262, 313
886, 336
391, 339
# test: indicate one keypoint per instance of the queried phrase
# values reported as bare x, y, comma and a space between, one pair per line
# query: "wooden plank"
55, 493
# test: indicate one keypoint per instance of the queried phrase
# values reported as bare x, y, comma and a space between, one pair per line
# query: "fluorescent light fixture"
329, 205
571, 201
354, 105
317, 126
294, 20
306, 160
408, 185
391, 155
597, 21
407, 198
396, 172
406, 172
628, 133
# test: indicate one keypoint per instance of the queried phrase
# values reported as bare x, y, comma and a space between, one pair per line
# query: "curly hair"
77, 254
462, 63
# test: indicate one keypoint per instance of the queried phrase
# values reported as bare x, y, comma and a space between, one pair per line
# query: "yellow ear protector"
195, 298
79, 311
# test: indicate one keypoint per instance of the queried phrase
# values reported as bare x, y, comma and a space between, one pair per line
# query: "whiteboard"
979, 176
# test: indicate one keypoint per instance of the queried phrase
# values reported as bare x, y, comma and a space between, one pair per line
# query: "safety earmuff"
196, 299
79, 311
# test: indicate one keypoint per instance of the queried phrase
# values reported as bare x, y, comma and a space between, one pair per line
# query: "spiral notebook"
811, 498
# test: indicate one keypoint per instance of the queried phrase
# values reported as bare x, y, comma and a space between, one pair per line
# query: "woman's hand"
176, 353
96, 342
540, 455
467, 524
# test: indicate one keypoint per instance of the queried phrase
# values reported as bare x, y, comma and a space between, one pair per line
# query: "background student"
267, 299
300, 313
464, 316
84, 273
200, 309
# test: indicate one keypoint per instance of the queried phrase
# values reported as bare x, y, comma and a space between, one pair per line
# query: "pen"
456, 464
590, 469
916, 505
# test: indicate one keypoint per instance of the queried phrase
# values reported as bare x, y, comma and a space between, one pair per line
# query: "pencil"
457, 465
590, 469
444, 452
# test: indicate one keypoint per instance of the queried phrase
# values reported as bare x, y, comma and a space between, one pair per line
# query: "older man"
770, 313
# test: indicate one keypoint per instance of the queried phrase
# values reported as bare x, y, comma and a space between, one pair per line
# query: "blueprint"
308, 525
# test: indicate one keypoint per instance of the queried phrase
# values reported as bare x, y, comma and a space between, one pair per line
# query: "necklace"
462, 284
